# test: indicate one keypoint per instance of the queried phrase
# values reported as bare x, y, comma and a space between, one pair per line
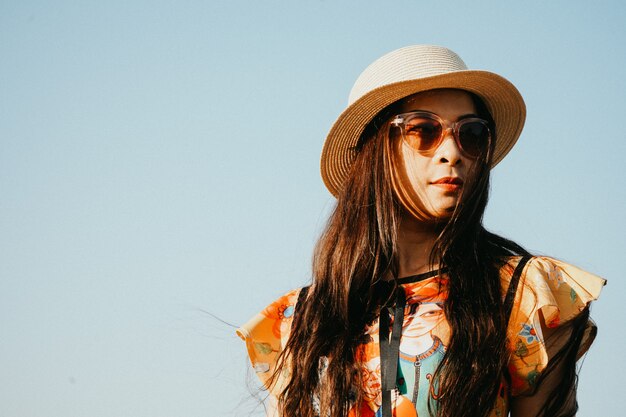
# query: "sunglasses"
424, 132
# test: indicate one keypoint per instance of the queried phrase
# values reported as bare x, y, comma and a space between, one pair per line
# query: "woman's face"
423, 321
437, 178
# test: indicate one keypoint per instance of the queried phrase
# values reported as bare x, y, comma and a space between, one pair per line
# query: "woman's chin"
443, 213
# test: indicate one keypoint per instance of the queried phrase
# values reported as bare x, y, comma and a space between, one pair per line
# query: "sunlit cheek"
416, 167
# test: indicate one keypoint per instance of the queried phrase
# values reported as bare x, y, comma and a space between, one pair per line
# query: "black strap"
390, 349
300, 302
510, 294
302, 295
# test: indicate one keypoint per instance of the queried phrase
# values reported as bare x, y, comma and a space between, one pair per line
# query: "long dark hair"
356, 249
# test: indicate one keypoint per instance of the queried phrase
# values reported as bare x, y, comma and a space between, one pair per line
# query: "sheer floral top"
558, 290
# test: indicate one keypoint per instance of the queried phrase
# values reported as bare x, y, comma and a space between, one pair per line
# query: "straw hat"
407, 71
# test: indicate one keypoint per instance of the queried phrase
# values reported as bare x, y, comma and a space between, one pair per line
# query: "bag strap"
390, 349
300, 302
301, 297
512, 290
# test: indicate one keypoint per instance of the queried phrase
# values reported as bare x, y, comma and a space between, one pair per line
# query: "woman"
415, 309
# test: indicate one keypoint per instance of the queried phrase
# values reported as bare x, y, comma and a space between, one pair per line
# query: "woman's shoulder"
550, 293
266, 334
546, 274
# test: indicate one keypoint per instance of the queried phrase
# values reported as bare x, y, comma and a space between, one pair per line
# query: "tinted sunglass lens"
474, 137
423, 133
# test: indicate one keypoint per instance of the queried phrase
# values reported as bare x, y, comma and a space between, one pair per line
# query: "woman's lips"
448, 183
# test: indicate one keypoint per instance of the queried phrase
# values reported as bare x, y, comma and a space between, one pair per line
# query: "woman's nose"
448, 151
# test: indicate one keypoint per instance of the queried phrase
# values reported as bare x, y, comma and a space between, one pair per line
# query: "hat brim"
502, 99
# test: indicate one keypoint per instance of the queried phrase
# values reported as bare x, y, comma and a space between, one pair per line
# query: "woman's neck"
415, 244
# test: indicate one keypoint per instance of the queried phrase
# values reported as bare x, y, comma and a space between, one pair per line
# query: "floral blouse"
560, 291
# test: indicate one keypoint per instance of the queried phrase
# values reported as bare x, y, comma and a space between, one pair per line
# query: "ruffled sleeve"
557, 292
266, 335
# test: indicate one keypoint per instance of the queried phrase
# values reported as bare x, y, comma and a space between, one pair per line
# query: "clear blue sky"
159, 159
